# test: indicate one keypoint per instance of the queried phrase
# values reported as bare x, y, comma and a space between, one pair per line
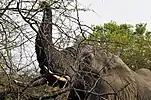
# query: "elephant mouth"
55, 79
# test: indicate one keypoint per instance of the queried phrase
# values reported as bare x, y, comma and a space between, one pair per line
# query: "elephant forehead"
94, 56
86, 49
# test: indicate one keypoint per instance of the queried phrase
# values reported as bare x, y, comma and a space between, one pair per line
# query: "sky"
120, 11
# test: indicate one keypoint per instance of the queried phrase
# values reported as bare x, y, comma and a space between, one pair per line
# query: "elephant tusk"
61, 78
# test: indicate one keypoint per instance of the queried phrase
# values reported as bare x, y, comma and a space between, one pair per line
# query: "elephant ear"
144, 74
143, 71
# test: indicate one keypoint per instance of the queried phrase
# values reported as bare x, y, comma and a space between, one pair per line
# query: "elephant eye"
87, 58
109, 68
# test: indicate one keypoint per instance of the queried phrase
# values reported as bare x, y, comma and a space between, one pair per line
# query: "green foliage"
141, 28
132, 44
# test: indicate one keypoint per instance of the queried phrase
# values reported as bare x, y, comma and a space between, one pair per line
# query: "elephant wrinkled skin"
105, 76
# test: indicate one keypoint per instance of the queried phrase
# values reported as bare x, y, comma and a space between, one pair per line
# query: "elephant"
95, 73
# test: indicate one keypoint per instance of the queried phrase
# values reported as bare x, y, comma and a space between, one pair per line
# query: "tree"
132, 45
19, 23
140, 29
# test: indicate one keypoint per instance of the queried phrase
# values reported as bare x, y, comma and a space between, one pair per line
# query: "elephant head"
102, 75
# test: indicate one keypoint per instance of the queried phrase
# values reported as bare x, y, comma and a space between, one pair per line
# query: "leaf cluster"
131, 43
